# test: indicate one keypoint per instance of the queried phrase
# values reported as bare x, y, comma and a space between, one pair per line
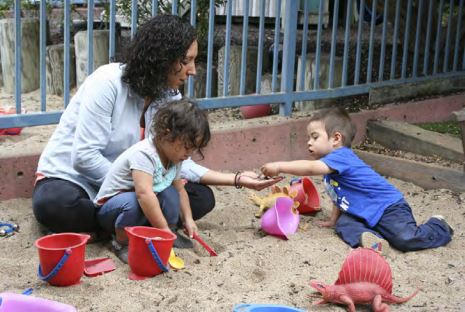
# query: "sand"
251, 267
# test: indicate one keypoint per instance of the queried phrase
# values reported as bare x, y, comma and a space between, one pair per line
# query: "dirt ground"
251, 267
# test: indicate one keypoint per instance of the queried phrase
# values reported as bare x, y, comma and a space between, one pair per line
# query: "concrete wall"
251, 146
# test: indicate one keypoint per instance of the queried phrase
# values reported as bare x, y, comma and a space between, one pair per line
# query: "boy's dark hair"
182, 119
337, 120
157, 46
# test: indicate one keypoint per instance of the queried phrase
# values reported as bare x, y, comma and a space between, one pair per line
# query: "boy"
368, 210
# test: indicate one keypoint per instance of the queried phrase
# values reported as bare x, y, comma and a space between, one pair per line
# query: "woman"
107, 115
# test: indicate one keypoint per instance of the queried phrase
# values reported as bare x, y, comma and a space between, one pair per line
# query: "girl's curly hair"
182, 119
156, 48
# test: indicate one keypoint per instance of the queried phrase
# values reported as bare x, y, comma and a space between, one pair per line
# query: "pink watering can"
307, 195
282, 219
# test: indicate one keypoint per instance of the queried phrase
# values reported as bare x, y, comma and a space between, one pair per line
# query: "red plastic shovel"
207, 248
98, 266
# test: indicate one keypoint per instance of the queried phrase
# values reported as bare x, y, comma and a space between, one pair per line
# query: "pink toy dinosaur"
365, 278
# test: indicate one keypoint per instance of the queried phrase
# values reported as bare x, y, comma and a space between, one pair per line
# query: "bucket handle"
295, 180
57, 268
155, 256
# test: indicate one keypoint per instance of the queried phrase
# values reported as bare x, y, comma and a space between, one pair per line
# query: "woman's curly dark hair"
157, 46
182, 119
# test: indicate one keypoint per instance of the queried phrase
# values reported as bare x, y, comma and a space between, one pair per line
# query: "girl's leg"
399, 228
350, 229
63, 206
120, 211
170, 204
201, 199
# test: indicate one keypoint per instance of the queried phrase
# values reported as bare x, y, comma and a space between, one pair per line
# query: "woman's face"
183, 68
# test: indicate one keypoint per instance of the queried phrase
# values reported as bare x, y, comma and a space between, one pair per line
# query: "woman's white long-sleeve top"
100, 122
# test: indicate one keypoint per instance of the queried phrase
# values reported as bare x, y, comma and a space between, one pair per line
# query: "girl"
143, 186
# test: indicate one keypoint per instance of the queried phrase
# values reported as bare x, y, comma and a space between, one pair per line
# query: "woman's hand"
251, 180
190, 227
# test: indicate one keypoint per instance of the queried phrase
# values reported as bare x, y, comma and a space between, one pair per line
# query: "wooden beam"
425, 175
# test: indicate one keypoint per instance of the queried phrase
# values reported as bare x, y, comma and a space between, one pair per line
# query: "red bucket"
62, 258
10, 110
307, 195
149, 250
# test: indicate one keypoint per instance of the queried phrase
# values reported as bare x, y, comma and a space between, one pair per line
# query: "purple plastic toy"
10, 302
282, 219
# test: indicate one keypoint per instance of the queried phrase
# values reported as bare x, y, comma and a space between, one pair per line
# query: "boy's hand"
326, 223
270, 169
190, 227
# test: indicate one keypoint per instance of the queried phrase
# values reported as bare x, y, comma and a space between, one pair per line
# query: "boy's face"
319, 144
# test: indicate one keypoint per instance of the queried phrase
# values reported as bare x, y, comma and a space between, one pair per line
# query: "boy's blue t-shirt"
356, 188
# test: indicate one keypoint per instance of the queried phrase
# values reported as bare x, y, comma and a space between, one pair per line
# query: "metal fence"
307, 50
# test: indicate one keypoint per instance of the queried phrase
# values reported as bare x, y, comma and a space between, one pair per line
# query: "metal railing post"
289, 47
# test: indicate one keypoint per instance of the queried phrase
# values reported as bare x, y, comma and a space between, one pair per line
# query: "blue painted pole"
90, 37
333, 44
303, 56
457, 36
112, 48
406, 39
211, 29
438, 38
134, 14
42, 56
289, 47
345, 61
316, 81
261, 43
383, 42
174, 7
227, 48
18, 65
394, 42
445, 66
371, 44
245, 28
428, 39
417, 39
277, 32
190, 82
358, 52
66, 39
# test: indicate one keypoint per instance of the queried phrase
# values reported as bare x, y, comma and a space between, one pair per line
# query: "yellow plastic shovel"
175, 262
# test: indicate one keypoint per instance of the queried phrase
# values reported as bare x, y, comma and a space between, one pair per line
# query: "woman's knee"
201, 198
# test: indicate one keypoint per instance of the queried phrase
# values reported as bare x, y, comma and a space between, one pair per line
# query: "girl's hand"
190, 228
